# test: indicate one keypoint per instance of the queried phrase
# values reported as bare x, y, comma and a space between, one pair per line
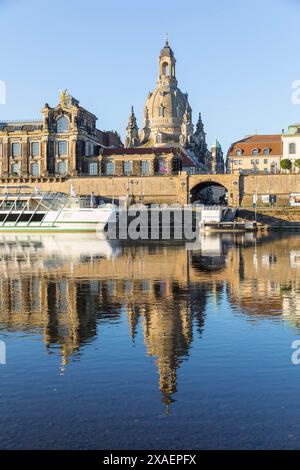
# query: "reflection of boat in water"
72, 246
23, 210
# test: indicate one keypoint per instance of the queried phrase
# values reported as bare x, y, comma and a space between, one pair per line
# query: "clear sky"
236, 59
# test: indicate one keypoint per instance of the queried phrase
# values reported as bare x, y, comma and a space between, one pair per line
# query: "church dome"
166, 106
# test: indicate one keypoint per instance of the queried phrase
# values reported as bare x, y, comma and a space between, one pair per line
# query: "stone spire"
199, 125
132, 131
186, 126
199, 136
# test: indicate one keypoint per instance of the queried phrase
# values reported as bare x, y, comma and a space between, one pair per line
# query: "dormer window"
266, 151
239, 153
255, 152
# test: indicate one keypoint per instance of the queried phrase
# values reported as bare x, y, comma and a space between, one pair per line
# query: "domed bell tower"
167, 65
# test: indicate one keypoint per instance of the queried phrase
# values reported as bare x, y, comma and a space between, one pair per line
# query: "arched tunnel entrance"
209, 193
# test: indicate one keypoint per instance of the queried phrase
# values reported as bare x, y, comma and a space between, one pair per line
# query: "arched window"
255, 152
239, 153
292, 148
62, 124
35, 169
165, 68
266, 151
161, 111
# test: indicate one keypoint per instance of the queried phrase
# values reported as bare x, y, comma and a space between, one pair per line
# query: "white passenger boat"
23, 210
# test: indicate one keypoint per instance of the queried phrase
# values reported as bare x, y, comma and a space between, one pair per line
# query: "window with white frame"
255, 152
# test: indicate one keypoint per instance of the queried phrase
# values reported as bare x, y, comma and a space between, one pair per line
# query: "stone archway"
229, 184
209, 193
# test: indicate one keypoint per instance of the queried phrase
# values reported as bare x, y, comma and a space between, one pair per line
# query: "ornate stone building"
167, 118
61, 144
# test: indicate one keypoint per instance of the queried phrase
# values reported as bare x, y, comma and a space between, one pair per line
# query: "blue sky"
236, 59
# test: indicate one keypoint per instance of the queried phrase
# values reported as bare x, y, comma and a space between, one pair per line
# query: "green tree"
297, 163
286, 164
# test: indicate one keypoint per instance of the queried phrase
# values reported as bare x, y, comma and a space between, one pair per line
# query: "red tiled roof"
271, 141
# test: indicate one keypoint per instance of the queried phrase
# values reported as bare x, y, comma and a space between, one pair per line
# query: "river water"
149, 346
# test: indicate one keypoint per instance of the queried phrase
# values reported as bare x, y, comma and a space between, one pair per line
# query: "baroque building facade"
167, 117
61, 144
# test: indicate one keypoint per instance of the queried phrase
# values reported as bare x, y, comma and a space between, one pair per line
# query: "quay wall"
172, 189
280, 185
154, 189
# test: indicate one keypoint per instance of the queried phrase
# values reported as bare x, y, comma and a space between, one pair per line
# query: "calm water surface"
149, 346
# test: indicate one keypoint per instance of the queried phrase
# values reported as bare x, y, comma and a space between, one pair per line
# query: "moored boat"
22, 209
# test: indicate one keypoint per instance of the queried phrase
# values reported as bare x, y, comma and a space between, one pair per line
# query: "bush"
297, 163
286, 164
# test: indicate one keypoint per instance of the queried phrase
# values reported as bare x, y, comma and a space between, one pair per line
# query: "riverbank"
272, 217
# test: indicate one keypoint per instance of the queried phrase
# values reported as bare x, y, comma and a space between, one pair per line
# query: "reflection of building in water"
67, 297
167, 319
163, 290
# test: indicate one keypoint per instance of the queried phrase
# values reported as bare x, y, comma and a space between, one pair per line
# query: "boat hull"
68, 220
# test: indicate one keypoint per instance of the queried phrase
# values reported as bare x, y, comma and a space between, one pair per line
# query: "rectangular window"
127, 168
266, 170
257, 162
236, 162
62, 147
16, 149
163, 168
35, 149
240, 162
15, 169
145, 167
110, 168
266, 161
93, 168
252, 162
62, 168
292, 148
35, 169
